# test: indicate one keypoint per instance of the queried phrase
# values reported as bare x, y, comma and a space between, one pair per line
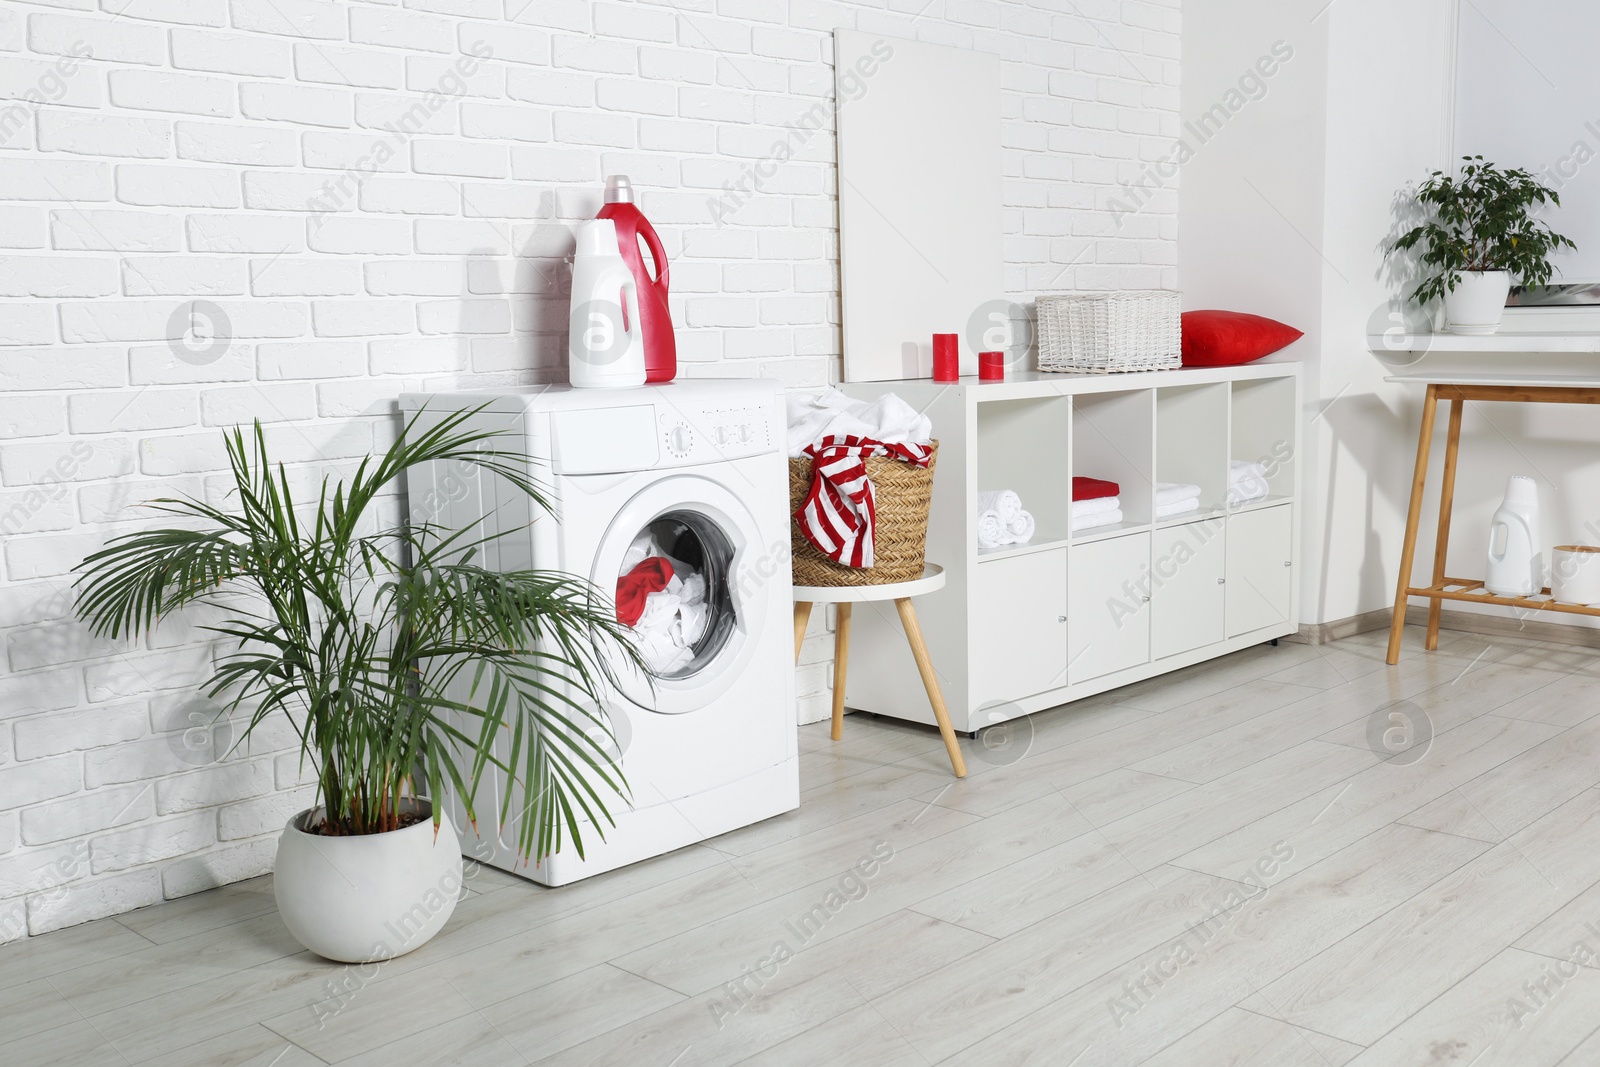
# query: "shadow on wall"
537, 279
1400, 272
509, 314
1350, 420
511, 317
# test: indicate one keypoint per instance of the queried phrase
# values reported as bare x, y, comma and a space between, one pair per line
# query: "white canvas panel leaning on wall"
919, 200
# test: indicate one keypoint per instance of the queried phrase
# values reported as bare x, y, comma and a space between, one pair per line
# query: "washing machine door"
699, 639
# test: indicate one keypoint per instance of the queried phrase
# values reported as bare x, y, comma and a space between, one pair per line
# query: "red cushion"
1228, 338
1093, 488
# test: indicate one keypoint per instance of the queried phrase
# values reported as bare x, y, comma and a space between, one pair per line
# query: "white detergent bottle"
606, 340
1516, 558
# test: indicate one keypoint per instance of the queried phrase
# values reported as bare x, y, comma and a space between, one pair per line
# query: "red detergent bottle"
660, 346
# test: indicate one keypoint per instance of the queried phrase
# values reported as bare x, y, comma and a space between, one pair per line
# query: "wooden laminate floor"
1218, 867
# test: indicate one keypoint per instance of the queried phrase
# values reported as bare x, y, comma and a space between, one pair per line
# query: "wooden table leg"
1419, 479
1447, 493
802, 615
930, 682
841, 664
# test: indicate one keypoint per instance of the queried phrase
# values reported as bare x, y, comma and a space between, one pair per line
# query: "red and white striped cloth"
840, 513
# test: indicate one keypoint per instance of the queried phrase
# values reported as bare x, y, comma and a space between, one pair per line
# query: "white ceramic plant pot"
1477, 303
372, 897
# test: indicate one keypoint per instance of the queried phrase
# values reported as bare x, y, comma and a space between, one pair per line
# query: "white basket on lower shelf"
1110, 332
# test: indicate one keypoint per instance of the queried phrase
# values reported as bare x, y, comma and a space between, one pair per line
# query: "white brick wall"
154, 152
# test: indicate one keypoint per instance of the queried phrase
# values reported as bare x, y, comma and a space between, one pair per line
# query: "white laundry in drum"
674, 617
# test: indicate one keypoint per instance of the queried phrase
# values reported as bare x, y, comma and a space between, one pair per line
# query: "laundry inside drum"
672, 591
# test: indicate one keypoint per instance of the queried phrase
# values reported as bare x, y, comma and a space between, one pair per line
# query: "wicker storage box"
902, 494
1109, 332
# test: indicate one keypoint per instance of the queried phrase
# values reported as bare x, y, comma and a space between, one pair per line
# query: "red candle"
992, 366
946, 357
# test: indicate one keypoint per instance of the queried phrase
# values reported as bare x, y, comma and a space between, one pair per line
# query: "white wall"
1389, 72
1285, 214
160, 153
1532, 112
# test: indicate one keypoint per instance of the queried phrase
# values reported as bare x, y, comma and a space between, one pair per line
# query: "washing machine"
708, 744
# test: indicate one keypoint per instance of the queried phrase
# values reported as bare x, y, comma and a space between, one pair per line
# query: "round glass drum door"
676, 554
673, 584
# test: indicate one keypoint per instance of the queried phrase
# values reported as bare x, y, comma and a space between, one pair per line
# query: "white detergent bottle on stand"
1516, 560
605, 342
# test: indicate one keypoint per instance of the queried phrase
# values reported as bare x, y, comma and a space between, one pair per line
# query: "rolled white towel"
1021, 528
1098, 506
1175, 493
992, 532
1003, 502
1177, 507
1101, 518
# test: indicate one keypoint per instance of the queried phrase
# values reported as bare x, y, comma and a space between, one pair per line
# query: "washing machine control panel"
710, 433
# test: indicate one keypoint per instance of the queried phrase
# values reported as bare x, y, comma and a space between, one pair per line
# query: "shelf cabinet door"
1018, 627
1260, 569
1108, 626
1186, 602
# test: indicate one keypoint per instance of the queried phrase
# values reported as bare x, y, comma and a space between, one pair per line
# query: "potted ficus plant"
406, 668
1481, 233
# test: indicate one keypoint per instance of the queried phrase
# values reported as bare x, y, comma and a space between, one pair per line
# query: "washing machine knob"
680, 440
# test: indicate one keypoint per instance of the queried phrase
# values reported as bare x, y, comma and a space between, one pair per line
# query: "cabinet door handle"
1222, 581
1145, 599
1288, 563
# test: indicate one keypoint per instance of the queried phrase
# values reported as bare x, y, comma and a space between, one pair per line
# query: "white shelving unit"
1028, 627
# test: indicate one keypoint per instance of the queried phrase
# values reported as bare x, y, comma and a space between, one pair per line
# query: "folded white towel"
1177, 507
1002, 502
1098, 506
1100, 518
1247, 481
1021, 528
813, 416
992, 533
1174, 493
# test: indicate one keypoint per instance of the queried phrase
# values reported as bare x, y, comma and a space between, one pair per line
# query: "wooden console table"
1458, 389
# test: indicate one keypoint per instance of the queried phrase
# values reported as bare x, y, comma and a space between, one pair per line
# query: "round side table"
845, 596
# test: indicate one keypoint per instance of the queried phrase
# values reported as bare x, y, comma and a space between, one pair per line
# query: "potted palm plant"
1480, 233
406, 668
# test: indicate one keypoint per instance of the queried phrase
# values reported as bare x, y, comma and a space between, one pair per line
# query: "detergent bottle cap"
619, 190
1521, 489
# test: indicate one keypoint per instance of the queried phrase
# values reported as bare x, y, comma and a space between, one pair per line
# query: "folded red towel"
1093, 488
635, 587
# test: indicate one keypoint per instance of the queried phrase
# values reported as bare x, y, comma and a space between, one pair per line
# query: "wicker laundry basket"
902, 493
1105, 333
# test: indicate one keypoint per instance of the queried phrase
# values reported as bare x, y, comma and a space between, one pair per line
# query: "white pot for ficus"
367, 897
1478, 301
